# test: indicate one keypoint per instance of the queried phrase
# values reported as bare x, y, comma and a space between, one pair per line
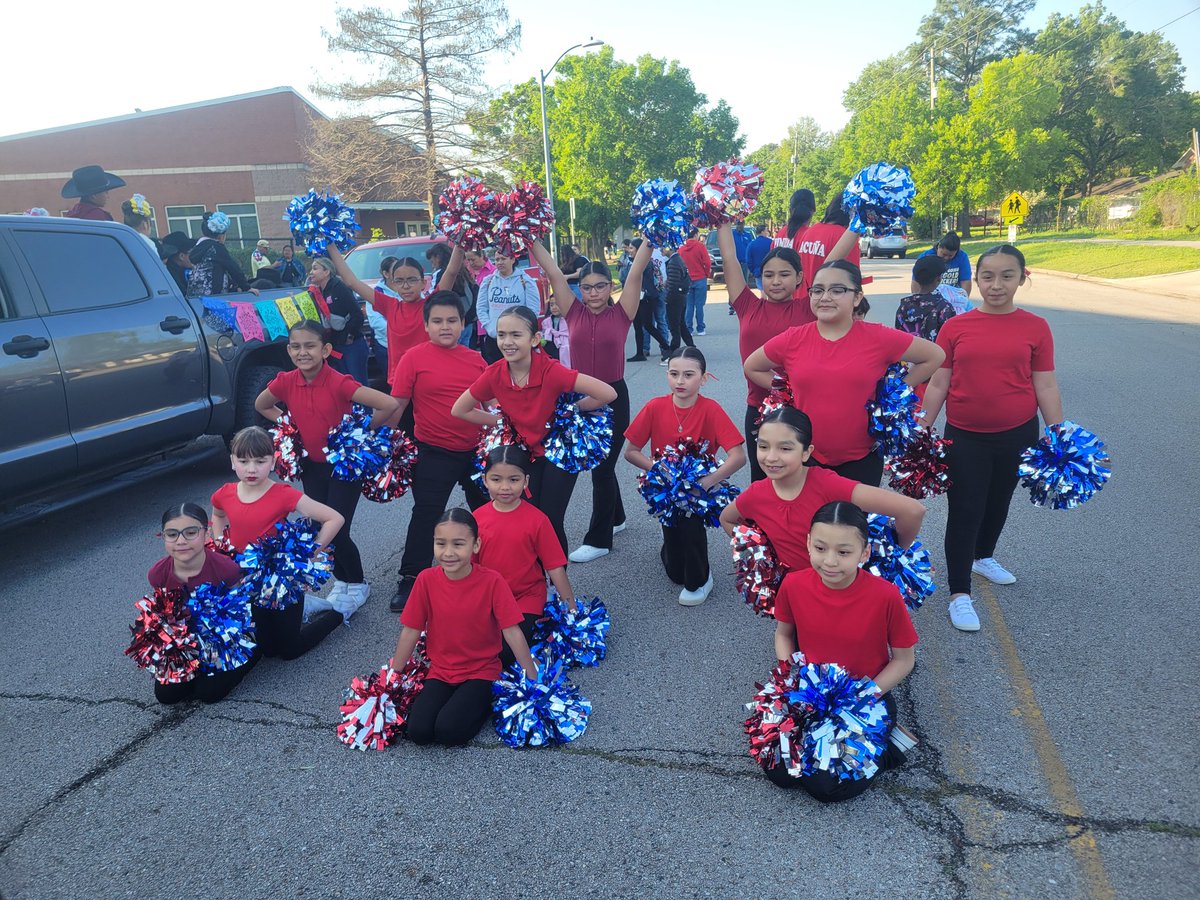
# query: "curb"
1114, 282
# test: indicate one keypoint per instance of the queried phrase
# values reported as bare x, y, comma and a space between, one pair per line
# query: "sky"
789, 59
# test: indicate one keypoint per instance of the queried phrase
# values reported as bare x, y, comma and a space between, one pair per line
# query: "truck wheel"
252, 382
903, 253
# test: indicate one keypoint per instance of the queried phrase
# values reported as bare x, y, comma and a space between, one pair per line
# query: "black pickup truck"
106, 369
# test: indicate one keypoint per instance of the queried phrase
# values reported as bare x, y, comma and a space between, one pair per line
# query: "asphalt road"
1059, 744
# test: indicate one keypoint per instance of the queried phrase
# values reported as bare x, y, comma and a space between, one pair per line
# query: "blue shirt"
759, 248
741, 241
958, 269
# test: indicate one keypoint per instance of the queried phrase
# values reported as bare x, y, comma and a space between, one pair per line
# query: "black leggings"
756, 472
285, 634
607, 509
527, 624
550, 491
644, 324
436, 473
983, 476
828, 788
868, 470
449, 714
676, 307
320, 485
205, 688
684, 552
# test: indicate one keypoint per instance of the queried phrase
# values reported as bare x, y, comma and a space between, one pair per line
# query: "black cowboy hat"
90, 180
175, 243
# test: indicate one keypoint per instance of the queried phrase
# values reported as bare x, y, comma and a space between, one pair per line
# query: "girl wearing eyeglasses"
834, 364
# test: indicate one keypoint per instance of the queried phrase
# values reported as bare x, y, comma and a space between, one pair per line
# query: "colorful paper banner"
248, 322
269, 313
287, 309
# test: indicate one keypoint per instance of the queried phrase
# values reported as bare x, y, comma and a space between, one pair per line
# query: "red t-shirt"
697, 259
250, 521
852, 627
814, 244
991, 361
786, 522
598, 341
782, 239
522, 547
759, 320
833, 380
662, 423
317, 406
433, 377
217, 569
405, 322
463, 619
528, 408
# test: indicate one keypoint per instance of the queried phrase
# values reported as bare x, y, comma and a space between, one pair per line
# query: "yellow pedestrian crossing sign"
1014, 209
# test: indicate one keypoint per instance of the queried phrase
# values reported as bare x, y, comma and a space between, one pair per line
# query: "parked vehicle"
105, 365
889, 245
714, 250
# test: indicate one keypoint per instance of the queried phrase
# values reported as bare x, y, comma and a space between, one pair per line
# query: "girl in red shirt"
834, 365
245, 511
837, 613
187, 565
317, 398
517, 540
526, 385
664, 420
466, 611
783, 504
997, 375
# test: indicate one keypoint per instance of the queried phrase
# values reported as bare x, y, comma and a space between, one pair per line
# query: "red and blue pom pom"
892, 413
1065, 468
490, 438
922, 470
375, 709
318, 220
523, 217
908, 568
288, 448
163, 642
281, 565
725, 192
578, 441
662, 211
222, 545
396, 478
775, 727
469, 211
779, 396
578, 637
354, 450
757, 571
223, 623
547, 710
879, 199
671, 488
847, 727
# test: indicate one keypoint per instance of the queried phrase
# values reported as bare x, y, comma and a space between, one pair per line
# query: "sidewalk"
1182, 285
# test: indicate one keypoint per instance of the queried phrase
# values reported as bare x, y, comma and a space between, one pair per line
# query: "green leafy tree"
965, 35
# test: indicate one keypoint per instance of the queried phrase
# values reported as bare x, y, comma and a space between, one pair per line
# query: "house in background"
243, 155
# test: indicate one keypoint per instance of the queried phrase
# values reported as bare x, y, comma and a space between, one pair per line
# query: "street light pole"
542, 76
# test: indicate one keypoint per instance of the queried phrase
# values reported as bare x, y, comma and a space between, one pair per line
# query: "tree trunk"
964, 219
430, 143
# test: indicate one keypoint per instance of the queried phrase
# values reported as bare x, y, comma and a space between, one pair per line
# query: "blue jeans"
660, 319
353, 361
693, 315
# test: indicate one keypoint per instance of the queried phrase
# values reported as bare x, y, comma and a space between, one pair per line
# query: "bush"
1174, 203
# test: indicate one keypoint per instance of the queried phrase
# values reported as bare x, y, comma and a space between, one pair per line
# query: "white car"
889, 245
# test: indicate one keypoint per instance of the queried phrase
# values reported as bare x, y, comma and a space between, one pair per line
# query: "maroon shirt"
85, 210
598, 341
217, 568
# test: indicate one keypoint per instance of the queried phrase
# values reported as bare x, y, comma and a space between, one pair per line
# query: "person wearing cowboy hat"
259, 258
91, 185
173, 249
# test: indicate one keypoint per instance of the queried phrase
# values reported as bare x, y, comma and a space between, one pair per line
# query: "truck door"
131, 353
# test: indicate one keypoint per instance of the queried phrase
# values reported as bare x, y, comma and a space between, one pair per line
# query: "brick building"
243, 155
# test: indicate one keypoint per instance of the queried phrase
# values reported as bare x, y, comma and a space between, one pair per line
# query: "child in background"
862, 309
665, 420
923, 313
250, 508
554, 333
466, 611
836, 613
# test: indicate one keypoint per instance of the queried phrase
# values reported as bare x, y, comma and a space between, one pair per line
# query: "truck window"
81, 271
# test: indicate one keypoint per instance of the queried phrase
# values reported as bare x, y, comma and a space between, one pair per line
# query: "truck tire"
252, 382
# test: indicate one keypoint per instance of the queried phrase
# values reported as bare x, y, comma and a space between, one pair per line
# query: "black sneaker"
403, 589
638, 358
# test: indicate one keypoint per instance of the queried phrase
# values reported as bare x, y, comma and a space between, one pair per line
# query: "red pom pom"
288, 449
921, 471
780, 395
222, 545
162, 642
395, 480
776, 724
375, 710
757, 571
469, 210
726, 192
524, 218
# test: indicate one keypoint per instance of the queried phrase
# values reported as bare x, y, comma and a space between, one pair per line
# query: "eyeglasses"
190, 533
408, 282
596, 288
837, 292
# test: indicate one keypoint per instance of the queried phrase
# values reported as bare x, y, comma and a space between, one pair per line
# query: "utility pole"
932, 81
1196, 151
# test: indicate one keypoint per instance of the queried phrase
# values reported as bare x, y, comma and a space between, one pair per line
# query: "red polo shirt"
433, 377
786, 522
598, 340
250, 521
759, 320
405, 322
529, 407
217, 569
315, 406
661, 423
522, 547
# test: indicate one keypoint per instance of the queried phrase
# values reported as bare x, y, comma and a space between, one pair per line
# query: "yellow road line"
1081, 841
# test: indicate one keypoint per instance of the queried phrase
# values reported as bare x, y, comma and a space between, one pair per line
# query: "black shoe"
403, 589
638, 358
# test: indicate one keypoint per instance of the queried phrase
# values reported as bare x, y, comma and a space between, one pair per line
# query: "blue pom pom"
847, 727
879, 199
892, 414
546, 711
672, 489
662, 211
355, 452
578, 638
577, 441
908, 568
222, 620
279, 566
317, 220
1066, 468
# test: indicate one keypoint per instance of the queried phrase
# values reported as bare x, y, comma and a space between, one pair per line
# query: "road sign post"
1012, 234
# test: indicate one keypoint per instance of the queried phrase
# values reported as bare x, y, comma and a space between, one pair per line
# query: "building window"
186, 219
243, 223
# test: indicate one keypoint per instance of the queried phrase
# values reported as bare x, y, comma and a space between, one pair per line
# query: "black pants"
608, 510
449, 714
868, 470
983, 476
343, 496
490, 350
828, 788
676, 307
756, 472
550, 491
644, 324
507, 657
205, 688
436, 473
285, 634
685, 552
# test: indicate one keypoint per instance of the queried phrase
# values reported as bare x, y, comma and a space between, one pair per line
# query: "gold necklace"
678, 420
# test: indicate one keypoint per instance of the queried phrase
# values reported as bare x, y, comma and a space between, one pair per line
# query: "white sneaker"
993, 571
617, 529
698, 596
313, 604
350, 600
586, 553
962, 614
903, 739
700, 332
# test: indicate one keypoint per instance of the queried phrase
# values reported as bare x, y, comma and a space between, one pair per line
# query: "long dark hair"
843, 512
800, 210
460, 516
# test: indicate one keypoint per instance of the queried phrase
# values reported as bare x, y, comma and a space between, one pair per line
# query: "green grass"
1099, 260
